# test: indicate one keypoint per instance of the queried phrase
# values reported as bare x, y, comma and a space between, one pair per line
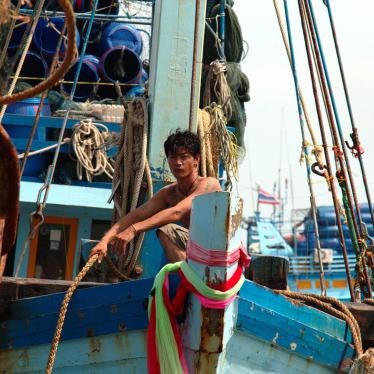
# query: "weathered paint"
174, 83
85, 203
120, 352
304, 330
272, 334
92, 312
206, 331
247, 355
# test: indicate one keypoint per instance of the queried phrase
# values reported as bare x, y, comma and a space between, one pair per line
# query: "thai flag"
267, 198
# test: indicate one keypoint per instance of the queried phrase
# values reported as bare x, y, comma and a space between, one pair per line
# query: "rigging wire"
305, 149
308, 49
45, 189
354, 135
365, 282
41, 104
337, 119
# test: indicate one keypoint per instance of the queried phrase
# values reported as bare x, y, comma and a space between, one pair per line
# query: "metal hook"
319, 172
356, 148
36, 220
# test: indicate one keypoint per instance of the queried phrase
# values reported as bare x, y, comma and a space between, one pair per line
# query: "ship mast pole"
175, 74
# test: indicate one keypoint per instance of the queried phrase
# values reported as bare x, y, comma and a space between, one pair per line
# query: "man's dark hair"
182, 138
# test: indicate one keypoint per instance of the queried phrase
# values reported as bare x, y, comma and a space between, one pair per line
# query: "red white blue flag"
267, 198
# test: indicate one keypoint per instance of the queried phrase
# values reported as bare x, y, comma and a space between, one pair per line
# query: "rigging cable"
41, 104
346, 158
9, 35
356, 149
324, 141
305, 149
51, 169
36, 16
334, 127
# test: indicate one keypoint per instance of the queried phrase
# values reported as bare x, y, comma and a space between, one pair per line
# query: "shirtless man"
169, 209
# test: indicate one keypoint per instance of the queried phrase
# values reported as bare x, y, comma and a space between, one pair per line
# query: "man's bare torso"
174, 196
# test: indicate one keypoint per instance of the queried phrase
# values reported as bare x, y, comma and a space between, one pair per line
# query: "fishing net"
233, 36
239, 93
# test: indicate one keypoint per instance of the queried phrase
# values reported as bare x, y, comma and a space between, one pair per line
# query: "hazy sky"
273, 137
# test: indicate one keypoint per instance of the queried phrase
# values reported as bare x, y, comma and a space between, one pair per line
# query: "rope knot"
356, 148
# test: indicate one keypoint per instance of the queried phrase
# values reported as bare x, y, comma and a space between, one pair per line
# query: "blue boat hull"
105, 331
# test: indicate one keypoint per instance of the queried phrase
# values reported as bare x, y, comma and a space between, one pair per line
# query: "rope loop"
89, 146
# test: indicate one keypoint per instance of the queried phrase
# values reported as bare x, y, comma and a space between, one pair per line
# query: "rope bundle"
216, 87
217, 143
131, 168
225, 84
89, 146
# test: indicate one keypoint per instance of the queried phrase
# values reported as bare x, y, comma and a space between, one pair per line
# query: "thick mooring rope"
65, 303
335, 308
131, 169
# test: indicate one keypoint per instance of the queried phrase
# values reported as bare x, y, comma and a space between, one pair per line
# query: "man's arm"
177, 212
125, 224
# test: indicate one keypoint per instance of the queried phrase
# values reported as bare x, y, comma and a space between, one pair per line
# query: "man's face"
182, 163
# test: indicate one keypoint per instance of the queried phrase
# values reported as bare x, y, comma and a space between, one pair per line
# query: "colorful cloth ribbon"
214, 257
165, 351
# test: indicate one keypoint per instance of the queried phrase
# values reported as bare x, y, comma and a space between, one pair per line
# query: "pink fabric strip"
177, 337
215, 304
213, 257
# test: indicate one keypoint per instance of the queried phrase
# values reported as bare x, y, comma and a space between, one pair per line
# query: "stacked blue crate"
328, 230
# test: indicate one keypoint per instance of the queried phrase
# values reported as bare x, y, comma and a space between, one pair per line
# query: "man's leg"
173, 239
172, 252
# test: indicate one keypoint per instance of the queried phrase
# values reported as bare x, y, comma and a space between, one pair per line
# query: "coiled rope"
65, 303
130, 169
89, 146
59, 72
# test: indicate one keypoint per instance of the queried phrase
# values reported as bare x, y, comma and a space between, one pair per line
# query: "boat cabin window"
99, 228
52, 250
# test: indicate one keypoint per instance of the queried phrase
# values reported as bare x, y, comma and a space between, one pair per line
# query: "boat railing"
307, 264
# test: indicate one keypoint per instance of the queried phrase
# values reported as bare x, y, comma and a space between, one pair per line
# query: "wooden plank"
13, 288
278, 330
294, 310
206, 331
92, 312
82, 298
249, 355
123, 352
174, 79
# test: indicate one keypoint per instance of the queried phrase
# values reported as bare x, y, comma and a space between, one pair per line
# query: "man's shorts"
177, 234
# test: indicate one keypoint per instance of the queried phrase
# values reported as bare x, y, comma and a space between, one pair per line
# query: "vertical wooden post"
174, 79
215, 219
